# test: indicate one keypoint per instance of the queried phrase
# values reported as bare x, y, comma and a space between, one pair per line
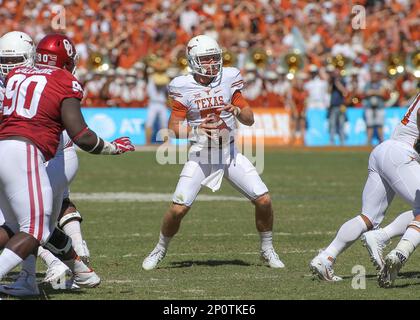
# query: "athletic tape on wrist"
108, 148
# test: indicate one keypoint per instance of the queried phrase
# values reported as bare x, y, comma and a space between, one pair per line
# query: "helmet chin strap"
75, 61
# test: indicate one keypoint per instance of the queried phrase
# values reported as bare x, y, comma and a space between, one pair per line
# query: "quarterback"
210, 100
393, 169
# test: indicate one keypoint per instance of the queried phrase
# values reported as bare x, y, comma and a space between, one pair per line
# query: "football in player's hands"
218, 122
219, 133
123, 144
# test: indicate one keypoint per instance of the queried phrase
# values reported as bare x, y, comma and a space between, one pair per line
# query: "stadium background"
278, 45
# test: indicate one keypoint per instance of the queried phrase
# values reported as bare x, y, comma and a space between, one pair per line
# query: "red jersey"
32, 105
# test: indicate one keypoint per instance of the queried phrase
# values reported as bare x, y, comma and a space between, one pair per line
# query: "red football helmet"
57, 50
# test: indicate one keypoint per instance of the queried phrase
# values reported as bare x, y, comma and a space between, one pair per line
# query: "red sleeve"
70, 86
178, 109
238, 100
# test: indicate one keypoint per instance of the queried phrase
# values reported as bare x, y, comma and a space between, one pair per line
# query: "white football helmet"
204, 56
16, 49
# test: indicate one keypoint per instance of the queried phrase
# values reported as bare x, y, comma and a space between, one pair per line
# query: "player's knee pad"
59, 243
69, 217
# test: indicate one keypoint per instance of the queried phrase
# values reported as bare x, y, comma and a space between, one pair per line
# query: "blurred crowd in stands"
292, 52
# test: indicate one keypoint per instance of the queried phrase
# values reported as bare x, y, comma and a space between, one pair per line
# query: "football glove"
118, 146
123, 145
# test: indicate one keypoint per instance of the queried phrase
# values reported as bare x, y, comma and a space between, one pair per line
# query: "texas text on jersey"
32, 105
193, 101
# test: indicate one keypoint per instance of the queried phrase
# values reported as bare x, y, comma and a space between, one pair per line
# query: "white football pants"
61, 171
393, 169
26, 197
238, 170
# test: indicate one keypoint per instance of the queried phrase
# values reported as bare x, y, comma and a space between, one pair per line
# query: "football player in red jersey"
16, 50
38, 104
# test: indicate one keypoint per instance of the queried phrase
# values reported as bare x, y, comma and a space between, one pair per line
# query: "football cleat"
71, 285
153, 259
393, 263
322, 267
25, 285
272, 258
87, 279
375, 242
56, 274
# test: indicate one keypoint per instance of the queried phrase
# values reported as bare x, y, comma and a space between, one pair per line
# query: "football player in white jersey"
394, 168
210, 99
408, 131
17, 49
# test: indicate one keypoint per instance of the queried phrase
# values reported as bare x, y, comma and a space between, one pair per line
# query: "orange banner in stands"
272, 124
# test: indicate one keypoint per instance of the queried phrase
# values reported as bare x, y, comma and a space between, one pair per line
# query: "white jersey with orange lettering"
207, 166
407, 131
201, 101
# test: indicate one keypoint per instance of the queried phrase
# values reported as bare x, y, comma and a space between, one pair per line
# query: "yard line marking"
229, 253
310, 233
211, 235
144, 197
120, 281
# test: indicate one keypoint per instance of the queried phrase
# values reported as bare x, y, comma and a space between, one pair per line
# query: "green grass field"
216, 253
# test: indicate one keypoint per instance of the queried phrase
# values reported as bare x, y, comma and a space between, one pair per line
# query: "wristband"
109, 148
